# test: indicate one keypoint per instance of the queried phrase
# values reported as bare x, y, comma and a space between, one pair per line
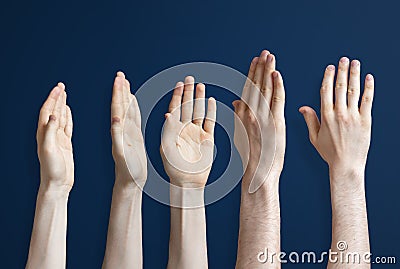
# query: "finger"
368, 96
121, 74
69, 125
51, 132
176, 100
58, 109
267, 87
117, 109
341, 84
63, 118
126, 94
199, 104
239, 106
353, 91
209, 122
249, 80
50, 103
278, 100
312, 122
327, 89
187, 104
136, 110
255, 90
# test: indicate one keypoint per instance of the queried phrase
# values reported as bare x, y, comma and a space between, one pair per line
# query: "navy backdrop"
84, 43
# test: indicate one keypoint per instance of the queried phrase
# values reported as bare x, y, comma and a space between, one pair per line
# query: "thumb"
51, 130
239, 106
312, 121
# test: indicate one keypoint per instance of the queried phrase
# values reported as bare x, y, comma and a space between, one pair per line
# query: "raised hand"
342, 139
54, 134
127, 140
187, 144
260, 122
343, 136
48, 241
260, 140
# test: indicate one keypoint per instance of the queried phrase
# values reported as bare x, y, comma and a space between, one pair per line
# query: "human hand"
54, 144
260, 135
127, 140
186, 145
343, 136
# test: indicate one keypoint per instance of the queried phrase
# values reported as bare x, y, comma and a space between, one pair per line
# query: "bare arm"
124, 239
260, 120
342, 139
188, 244
48, 242
187, 151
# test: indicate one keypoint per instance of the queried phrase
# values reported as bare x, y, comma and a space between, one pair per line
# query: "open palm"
186, 145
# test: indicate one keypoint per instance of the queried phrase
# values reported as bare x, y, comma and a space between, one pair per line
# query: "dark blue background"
83, 44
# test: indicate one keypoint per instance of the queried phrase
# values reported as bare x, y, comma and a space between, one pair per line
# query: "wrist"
123, 191
346, 168
124, 180
53, 193
269, 178
346, 175
199, 183
347, 184
185, 197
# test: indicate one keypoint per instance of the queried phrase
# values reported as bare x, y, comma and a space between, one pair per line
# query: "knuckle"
325, 88
341, 85
352, 90
367, 99
343, 118
277, 99
354, 71
250, 117
257, 86
263, 89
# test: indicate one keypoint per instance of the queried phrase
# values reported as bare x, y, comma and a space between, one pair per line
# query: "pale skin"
54, 147
260, 120
186, 146
342, 138
124, 239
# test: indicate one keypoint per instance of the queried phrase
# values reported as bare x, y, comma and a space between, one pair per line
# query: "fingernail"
275, 74
270, 57
264, 52
370, 77
344, 60
355, 63
331, 67
52, 117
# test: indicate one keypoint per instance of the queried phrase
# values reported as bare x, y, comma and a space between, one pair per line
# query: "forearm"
48, 242
259, 226
187, 246
349, 218
124, 239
